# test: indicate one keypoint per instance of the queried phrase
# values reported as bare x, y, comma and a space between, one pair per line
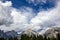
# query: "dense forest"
32, 37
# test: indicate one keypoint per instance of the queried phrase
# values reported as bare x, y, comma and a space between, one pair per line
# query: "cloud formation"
12, 18
5, 17
49, 18
35, 2
23, 18
41, 2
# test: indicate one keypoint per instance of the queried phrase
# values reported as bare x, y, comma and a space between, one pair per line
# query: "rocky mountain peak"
30, 32
52, 32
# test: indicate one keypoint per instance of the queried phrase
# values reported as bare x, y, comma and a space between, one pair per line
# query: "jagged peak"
52, 31
30, 32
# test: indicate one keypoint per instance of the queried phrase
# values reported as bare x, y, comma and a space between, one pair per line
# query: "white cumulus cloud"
24, 18
49, 18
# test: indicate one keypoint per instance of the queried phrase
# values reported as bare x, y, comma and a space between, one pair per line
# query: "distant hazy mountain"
8, 34
2, 34
11, 33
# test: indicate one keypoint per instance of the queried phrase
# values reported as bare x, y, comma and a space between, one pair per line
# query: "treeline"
33, 37
39, 37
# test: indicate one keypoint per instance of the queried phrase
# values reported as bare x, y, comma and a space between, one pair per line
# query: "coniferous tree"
24, 37
58, 36
53, 38
34, 37
10, 38
15, 38
40, 37
45, 37
2, 38
48, 38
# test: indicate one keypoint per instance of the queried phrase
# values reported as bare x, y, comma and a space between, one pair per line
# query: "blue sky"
37, 15
19, 3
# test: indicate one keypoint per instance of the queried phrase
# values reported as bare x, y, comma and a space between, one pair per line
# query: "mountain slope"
30, 32
52, 32
8, 34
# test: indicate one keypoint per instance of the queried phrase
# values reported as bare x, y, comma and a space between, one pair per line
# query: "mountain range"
50, 32
8, 34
